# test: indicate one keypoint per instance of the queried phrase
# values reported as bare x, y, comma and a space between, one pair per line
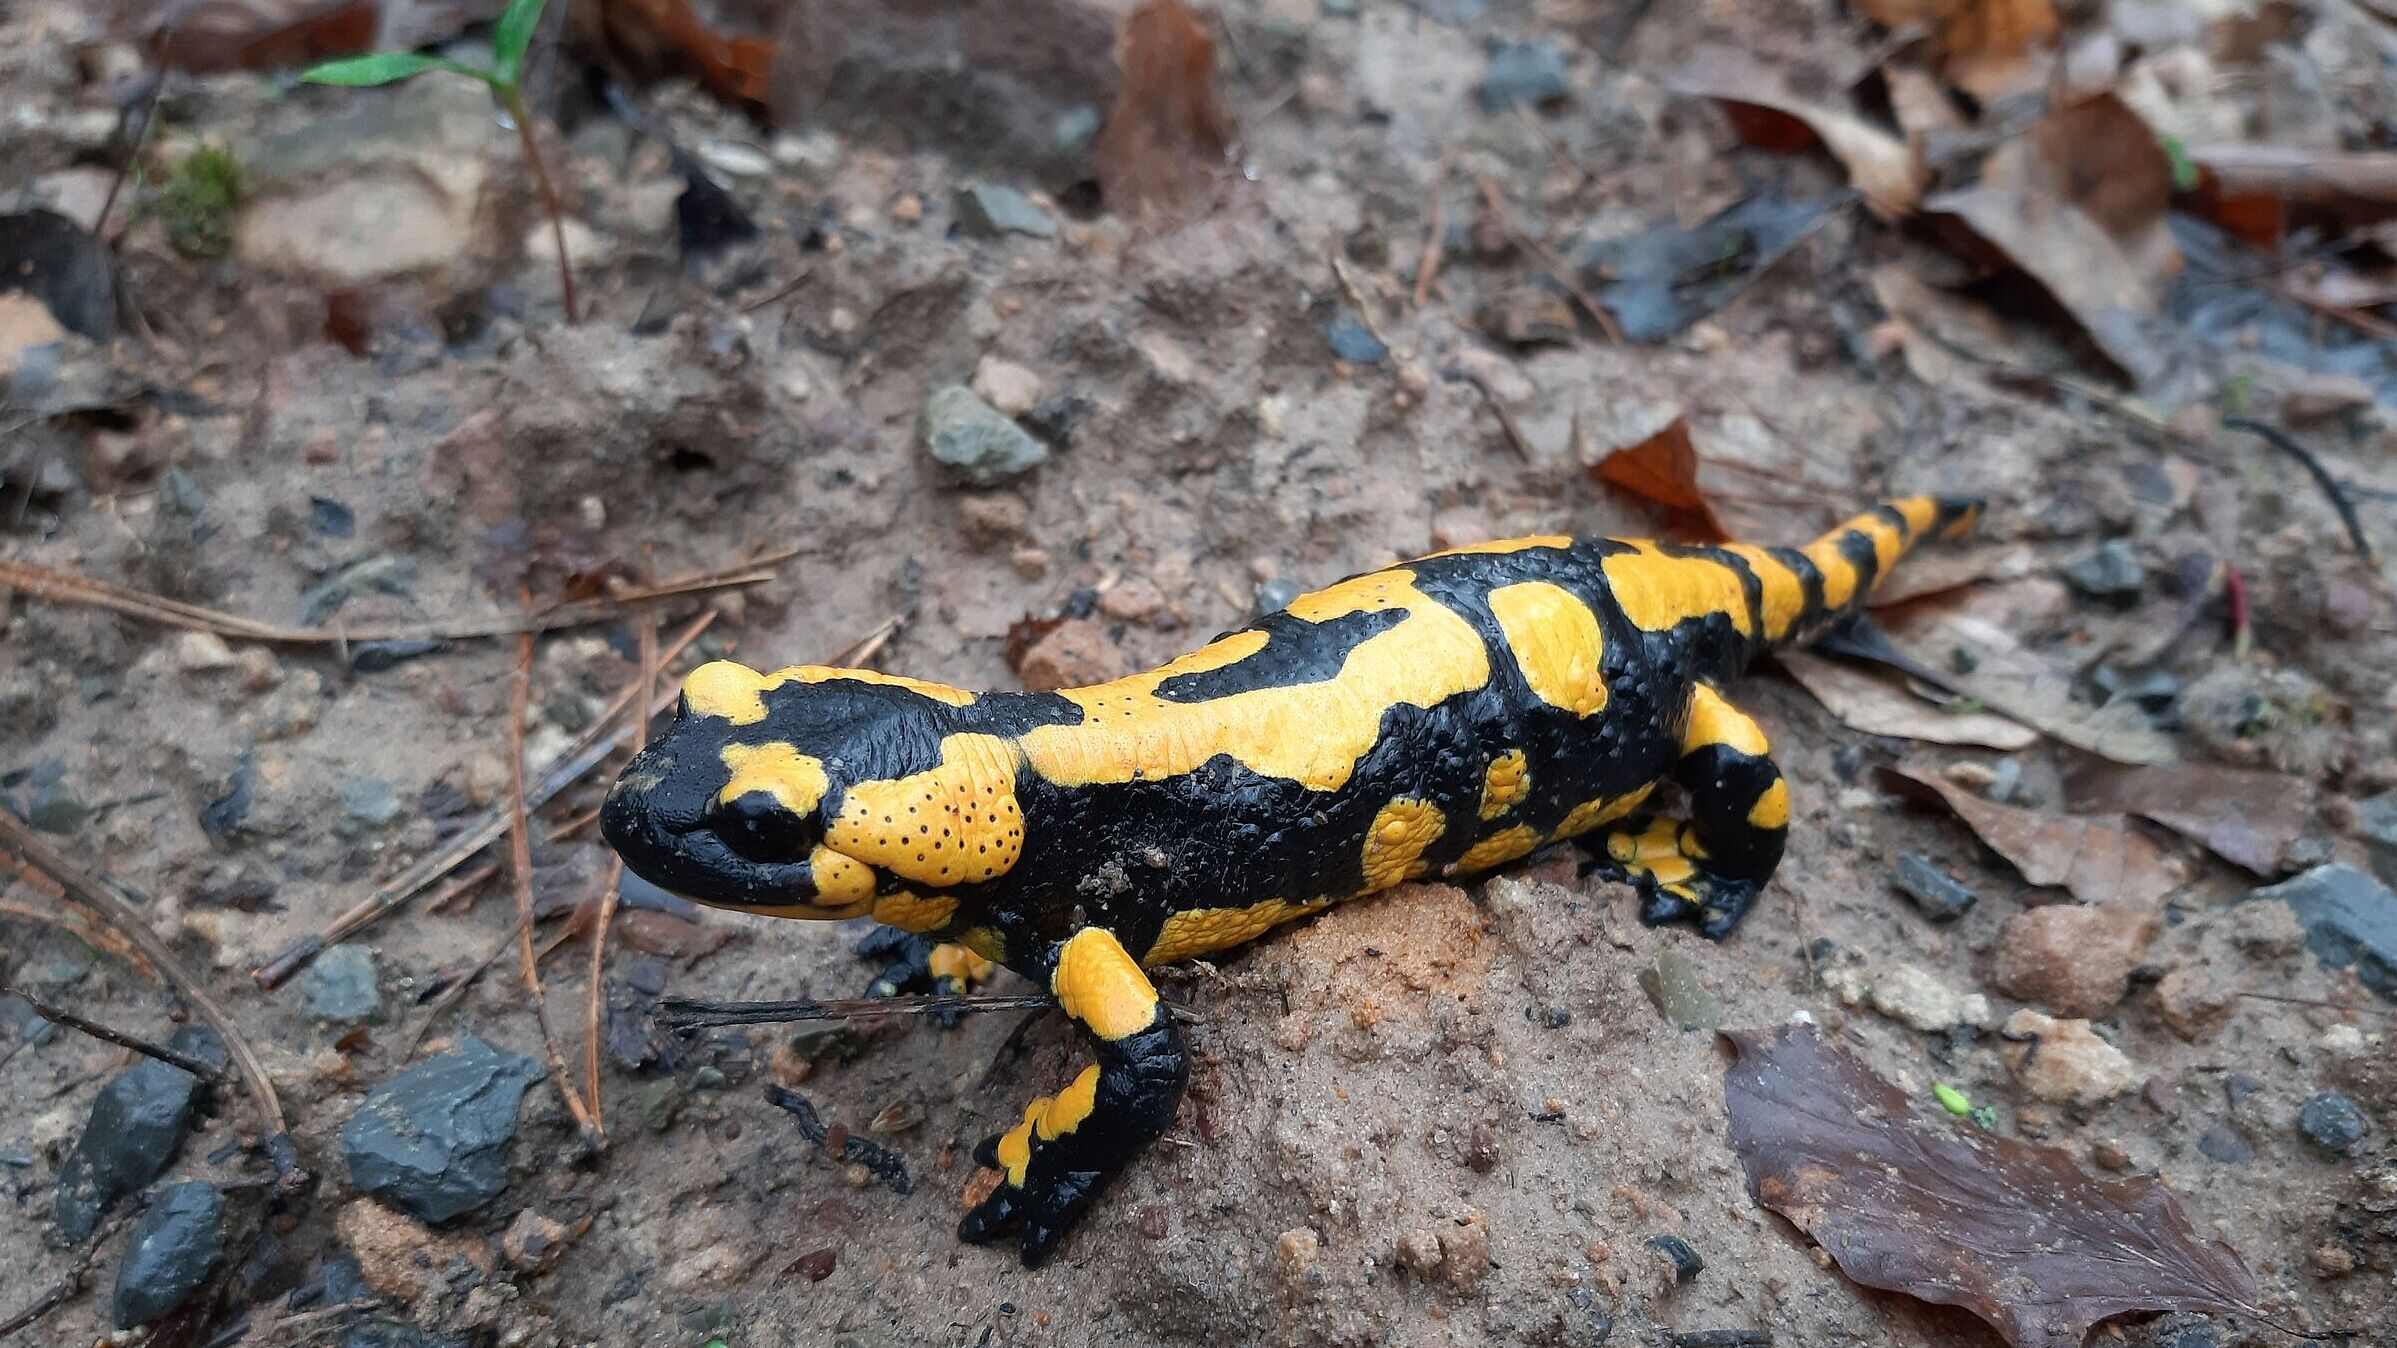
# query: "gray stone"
1940, 898
2376, 821
2350, 921
1672, 985
55, 809
340, 984
990, 210
1353, 342
173, 1248
1076, 129
973, 440
2112, 573
368, 804
136, 1124
1525, 73
2332, 1121
2224, 1144
433, 1141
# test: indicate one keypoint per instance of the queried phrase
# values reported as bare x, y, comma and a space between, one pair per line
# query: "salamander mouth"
658, 822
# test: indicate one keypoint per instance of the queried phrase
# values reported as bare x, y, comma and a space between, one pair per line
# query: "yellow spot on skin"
1961, 525
1310, 733
952, 961
840, 880
738, 693
1394, 846
795, 781
1099, 985
1771, 809
983, 941
1201, 931
1602, 810
1505, 785
1015, 1148
1072, 1105
1784, 593
1714, 721
1507, 545
1656, 592
953, 824
1839, 574
1556, 643
1921, 512
914, 912
1499, 848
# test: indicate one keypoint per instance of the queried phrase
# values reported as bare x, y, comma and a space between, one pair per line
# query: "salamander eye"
756, 826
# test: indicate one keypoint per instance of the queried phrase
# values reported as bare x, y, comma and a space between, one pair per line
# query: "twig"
1356, 296
1427, 269
520, 864
67, 587
205, 1071
2287, 444
1506, 418
682, 1014
149, 123
67, 1287
105, 900
449, 996
1547, 259
512, 96
597, 741
645, 690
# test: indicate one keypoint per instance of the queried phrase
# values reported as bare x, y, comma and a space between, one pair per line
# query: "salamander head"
757, 796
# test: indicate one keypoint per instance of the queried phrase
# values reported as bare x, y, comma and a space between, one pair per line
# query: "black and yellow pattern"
1438, 718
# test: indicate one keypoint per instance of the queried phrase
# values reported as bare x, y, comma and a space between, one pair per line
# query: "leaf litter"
1911, 1202
2099, 858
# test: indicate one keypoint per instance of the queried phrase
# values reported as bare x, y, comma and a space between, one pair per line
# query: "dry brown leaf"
2010, 678
1874, 705
208, 36
1166, 139
668, 35
1663, 469
1984, 47
1941, 571
2358, 187
2099, 858
1767, 111
2246, 816
1912, 1202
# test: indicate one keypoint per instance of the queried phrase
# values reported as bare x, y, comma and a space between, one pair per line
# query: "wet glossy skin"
1438, 718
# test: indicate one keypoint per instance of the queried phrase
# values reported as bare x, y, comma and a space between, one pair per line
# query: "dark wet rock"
173, 1249
222, 816
373, 657
1353, 342
990, 210
2112, 573
340, 984
2376, 823
137, 1123
331, 518
1940, 898
2332, 1121
433, 1141
2350, 921
1686, 1262
2224, 1144
1672, 986
367, 805
974, 440
54, 807
1527, 74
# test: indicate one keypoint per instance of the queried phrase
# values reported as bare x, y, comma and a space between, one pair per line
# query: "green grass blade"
383, 67
512, 35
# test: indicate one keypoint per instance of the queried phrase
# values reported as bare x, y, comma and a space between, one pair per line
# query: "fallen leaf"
1663, 469
1938, 571
2354, 187
1945, 337
1887, 172
2100, 858
2246, 816
1984, 47
2009, 678
1874, 705
1909, 1201
2105, 159
1165, 141
1660, 280
668, 35
209, 36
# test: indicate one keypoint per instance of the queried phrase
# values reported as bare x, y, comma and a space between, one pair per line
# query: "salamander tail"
1854, 556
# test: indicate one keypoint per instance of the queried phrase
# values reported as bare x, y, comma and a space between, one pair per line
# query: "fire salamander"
1438, 718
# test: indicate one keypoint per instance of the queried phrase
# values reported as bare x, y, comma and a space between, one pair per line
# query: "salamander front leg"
1054, 1163
913, 963
1709, 870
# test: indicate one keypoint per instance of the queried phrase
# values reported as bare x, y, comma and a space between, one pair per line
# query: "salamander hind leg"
1055, 1161
1708, 870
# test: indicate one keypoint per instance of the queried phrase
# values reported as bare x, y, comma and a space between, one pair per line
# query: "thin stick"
513, 97
449, 996
105, 899
520, 863
597, 741
1356, 296
683, 1014
67, 1287
2287, 444
1434, 235
1506, 418
645, 691
67, 587
205, 1071
1547, 259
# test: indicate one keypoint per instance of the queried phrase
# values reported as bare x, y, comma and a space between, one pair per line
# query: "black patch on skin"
1810, 584
1895, 519
1857, 546
1295, 652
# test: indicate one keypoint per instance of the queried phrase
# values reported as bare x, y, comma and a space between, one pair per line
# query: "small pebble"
2224, 1144
2111, 574
1672, 986
173, 1248
340, 983
2333, 1122
1935, 894
990, 210
1353, 342
1685, 1261
1529, 74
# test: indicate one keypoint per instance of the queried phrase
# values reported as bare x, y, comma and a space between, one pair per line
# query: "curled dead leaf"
669, 36
1166, 139
1916, 1203
1886, 171
1875, 706
2010, 678
2100, 858
1984, 47
1663, 469
2247, 816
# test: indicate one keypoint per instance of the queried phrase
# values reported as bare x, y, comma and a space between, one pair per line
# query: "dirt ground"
1442, 1116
